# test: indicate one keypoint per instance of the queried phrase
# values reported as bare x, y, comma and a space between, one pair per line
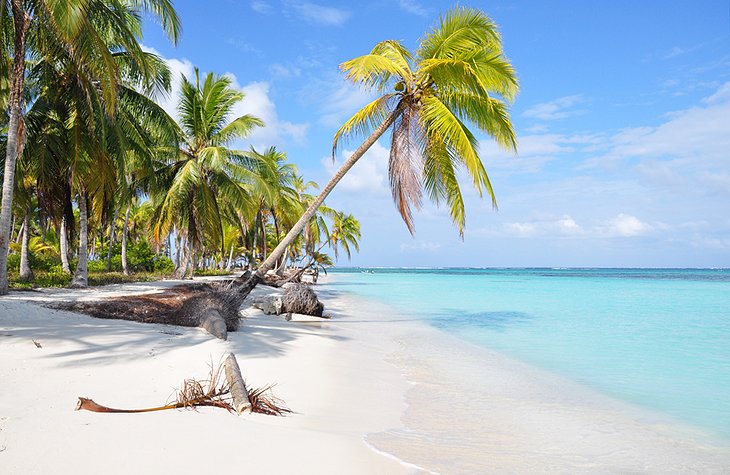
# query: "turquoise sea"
658, 338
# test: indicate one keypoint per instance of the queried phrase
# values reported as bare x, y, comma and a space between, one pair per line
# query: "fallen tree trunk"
236, 385
213, 307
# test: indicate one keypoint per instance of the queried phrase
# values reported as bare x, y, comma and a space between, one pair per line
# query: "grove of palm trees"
100, 183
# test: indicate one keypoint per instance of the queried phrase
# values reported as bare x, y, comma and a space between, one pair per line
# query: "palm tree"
459, 75
345, 234
204, 168
273, 186
60, 27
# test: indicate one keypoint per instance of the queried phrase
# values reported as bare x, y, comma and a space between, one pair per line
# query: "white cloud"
281, 71
535, 150
520, 229
619, 226
413, 6
368, 176
257, 102
699, 137
338, 105
720, 96
318, 14
556, 109
567, 225
420, 246
261, 6
623, 225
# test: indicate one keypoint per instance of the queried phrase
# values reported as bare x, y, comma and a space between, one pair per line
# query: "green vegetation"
100, 180
100, 185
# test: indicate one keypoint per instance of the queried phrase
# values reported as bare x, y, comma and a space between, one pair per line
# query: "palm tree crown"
458, 76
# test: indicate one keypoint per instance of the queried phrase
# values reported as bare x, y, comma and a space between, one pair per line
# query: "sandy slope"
339, 392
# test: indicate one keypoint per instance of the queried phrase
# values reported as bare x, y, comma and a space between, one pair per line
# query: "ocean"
655, 338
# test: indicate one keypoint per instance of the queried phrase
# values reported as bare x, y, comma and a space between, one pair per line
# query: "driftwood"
300, 298
230, 394
236, 385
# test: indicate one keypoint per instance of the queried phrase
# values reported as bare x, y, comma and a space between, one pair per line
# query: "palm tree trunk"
192, 258
112, 233
125, 231
19, 237
63, 239
178, 250
81, 277
26, 273
182, 259
21, 20
229, 266
299, 226
263, 236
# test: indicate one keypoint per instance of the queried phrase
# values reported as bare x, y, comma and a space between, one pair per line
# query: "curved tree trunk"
81, 277
299, 226
125, 231
63, 239
26, 273
112, 234
21, 20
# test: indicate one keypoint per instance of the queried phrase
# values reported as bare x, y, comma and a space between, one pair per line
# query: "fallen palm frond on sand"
228, 393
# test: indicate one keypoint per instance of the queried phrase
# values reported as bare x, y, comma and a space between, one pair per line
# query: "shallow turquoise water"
657, 338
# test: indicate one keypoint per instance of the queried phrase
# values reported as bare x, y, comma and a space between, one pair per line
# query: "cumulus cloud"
559, 108
368, 176
257, 101
623, 225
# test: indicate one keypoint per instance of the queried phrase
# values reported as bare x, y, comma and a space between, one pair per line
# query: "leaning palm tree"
458, 76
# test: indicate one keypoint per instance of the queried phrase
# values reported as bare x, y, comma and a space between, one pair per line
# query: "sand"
372, 391
338, 389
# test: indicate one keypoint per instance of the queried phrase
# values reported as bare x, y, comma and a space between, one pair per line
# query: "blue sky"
623, 123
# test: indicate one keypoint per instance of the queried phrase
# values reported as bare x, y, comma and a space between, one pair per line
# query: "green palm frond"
460, 31
365, 120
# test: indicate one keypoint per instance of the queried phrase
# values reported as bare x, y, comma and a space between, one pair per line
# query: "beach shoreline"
372, 391
474, 410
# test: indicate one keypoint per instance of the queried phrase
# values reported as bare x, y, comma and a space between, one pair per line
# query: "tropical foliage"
97, 177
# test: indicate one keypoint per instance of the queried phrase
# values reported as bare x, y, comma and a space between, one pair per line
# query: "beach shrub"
14, 262
163, 265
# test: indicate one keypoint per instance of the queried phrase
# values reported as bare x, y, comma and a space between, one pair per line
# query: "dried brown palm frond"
211, 392
263, 401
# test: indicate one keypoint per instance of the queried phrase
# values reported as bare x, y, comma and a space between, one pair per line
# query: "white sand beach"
339, 388
364, 385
